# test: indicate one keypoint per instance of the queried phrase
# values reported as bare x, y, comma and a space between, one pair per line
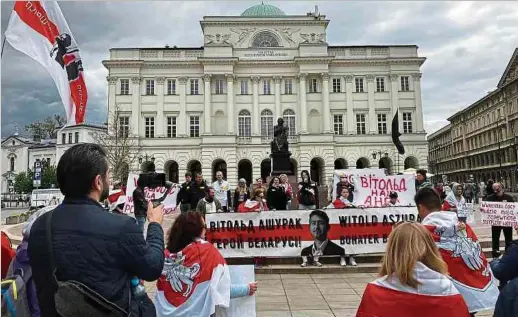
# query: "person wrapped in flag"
195, 279
468, 267
413, 279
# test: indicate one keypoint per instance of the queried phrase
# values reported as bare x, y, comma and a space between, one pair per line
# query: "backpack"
14, 293
74, 299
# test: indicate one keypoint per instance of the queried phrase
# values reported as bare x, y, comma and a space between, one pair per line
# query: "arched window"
266, 123
244, 123
289, 119
265, 39
11, 160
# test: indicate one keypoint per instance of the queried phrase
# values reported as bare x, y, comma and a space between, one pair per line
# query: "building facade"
20, 153
482, 139
214, 107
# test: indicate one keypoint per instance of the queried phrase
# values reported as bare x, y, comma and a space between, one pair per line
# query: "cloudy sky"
468, 45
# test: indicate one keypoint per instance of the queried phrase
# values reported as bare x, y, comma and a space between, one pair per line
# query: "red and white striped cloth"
193, 282
39, 30
436, 296
467, 264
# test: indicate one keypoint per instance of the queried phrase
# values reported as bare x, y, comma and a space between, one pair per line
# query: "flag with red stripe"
467, 264
39, 30
435, 296
193, 282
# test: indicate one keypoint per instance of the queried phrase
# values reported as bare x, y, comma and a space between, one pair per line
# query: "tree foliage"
49, 178
47, 128
122, 148
23, 182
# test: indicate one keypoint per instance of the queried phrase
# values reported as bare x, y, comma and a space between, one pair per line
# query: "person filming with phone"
84, 260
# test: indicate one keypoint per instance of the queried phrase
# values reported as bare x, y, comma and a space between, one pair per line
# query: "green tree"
49, 178
23, 182
48, 128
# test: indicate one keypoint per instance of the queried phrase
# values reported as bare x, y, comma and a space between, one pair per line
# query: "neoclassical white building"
214, 107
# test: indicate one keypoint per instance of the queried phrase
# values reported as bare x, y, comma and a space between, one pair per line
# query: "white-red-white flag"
467, 264
435, 296
194, 281
39, 30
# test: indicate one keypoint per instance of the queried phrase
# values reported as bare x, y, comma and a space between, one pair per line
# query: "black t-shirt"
508, 198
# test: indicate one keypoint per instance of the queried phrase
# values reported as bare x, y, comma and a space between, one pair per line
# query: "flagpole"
3, 44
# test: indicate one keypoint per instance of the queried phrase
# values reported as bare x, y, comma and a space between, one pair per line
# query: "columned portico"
325, 103
418, 102
303, 106
371, 128
207, 113
255, 106
182, 118
230, 104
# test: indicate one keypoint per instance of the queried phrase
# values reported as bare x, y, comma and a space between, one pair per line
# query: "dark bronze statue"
280, 137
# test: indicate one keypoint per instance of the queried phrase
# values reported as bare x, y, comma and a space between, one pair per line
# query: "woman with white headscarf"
454, 199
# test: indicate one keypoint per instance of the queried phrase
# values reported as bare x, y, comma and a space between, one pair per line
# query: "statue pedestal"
281, 163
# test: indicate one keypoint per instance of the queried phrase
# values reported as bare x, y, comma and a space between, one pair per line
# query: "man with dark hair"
197, 191
182, 199
500, 196
101, 250
421, 181
460, 249
209, 204
322, 246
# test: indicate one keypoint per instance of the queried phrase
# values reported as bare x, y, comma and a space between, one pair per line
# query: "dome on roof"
263, 10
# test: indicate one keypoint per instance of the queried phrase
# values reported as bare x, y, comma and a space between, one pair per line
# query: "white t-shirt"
221, 192
210, 208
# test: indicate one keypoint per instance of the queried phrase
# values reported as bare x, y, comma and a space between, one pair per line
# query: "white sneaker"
304, 264
343, 262
352, 261
316, 263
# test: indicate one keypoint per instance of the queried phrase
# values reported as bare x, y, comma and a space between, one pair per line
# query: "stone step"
366, 264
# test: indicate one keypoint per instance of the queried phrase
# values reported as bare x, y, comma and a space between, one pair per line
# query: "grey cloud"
467, 45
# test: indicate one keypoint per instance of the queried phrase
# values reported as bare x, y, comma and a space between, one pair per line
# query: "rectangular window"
171, 86
338, 122
358, 82
407, 122
219, 87
380, 84
171, 127
194, 87
337, 85
124, 127
244, 87
124, 86
313, 85
288, 86
244, 125
194, 126
76, 137
63, 138
382, 123
267, 87
149, 125
405, 86
361, 127
70, 138
150, 86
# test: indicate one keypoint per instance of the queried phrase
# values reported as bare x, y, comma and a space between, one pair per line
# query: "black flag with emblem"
395, 134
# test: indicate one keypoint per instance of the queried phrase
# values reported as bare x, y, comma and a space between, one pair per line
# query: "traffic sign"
38, 170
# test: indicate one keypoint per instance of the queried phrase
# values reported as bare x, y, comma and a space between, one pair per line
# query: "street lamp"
146, 158
381, 154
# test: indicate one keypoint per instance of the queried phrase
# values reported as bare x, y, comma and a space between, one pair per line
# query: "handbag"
74, 299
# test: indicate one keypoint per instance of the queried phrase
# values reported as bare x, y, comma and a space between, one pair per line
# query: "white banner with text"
499, 214
292, 232
374, 191
151, 193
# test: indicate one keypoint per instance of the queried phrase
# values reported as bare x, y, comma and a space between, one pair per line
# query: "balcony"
244, 140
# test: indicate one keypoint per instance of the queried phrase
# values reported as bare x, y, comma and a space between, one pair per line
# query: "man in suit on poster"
322, 246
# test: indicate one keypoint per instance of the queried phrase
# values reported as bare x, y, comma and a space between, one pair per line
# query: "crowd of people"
77, 259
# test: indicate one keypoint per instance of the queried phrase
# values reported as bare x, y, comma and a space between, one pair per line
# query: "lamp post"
146, 158
384, 154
